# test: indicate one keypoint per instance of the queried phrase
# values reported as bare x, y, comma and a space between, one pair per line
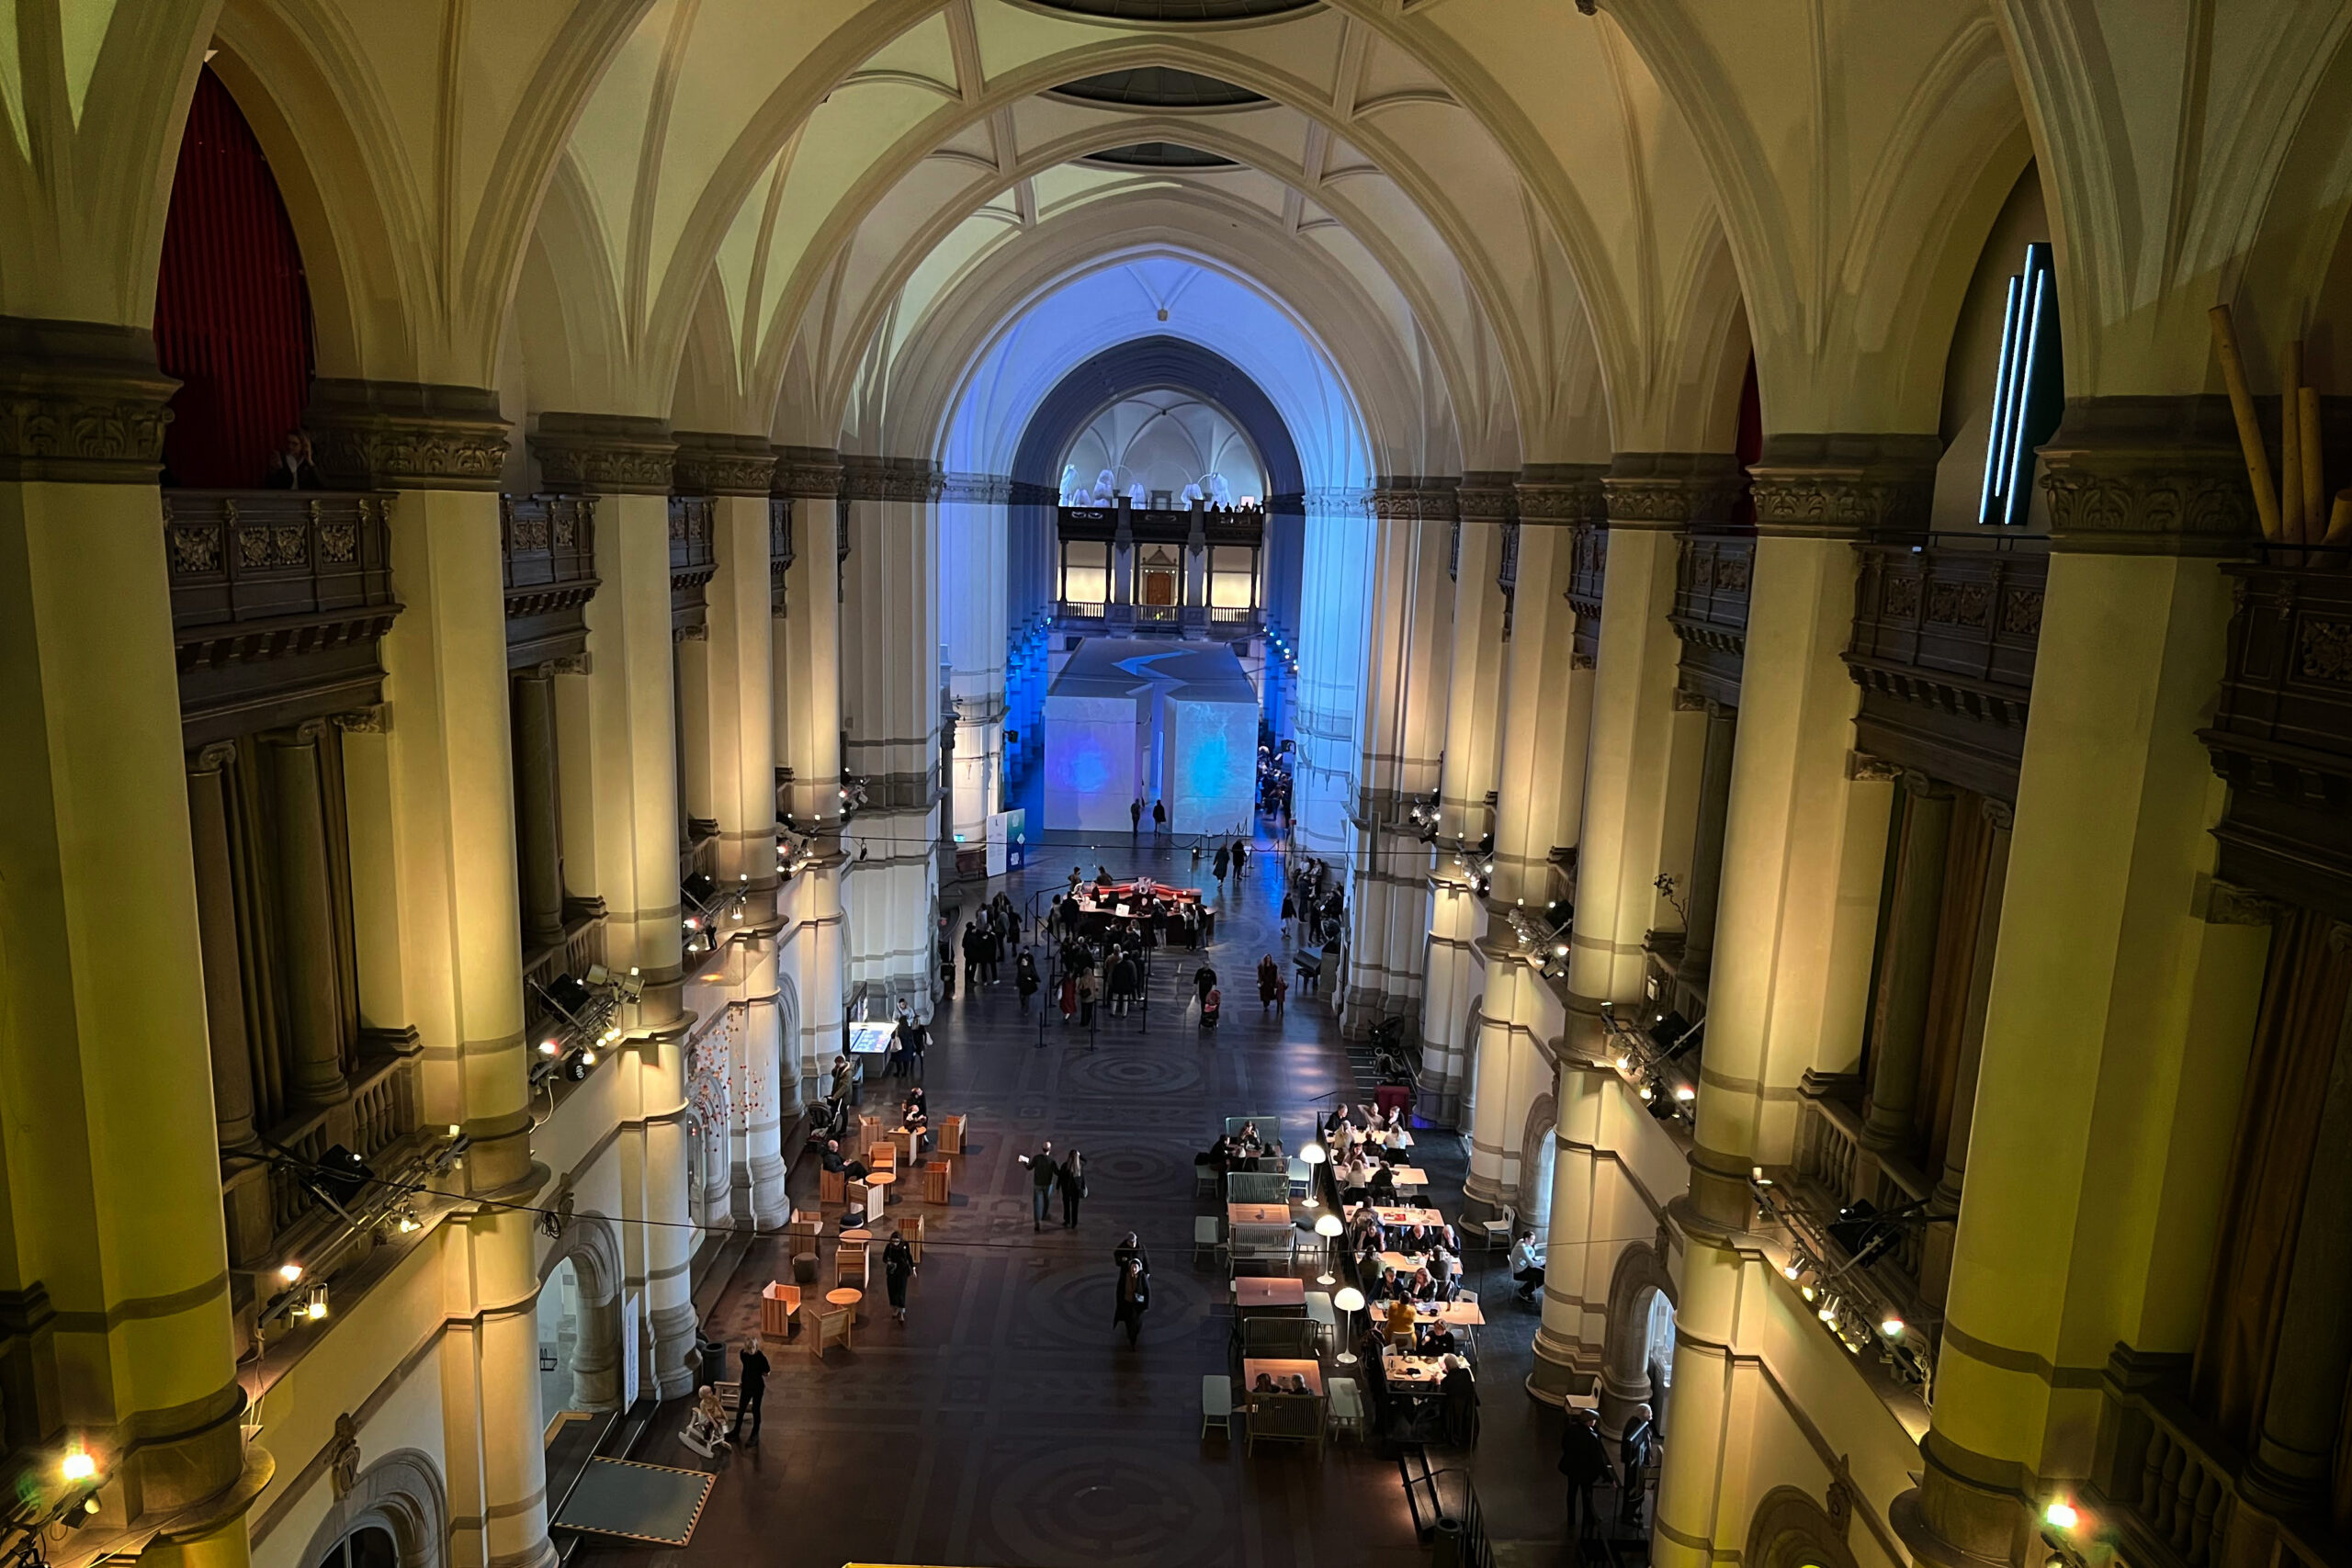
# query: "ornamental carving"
195, 549
806, 473
2021, 613
979, 490
2325, 648
415, 454
2148, 510
528, 533
1965, 604
1901, 601
1732, 572
1795, 501
338, 543
1485, 502
905, 479
266, 548
724, 465
604, 468
1557, 501
1411, 504
1676, 500
80, 402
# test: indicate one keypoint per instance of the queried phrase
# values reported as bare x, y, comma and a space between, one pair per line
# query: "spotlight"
315, 1309
699, 887
568, 994
2060, 1515
546, 1047
78, 1465
289, 1272
340, 1175
1685, 1093
1892, 1327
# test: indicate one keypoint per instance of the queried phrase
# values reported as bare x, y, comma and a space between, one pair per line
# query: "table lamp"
1314, 1155
1329, 1227
1350, 1300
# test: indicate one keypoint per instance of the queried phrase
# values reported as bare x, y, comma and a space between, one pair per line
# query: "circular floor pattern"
1125, 1071
1072, 1305
1099, 1505
1129, 1171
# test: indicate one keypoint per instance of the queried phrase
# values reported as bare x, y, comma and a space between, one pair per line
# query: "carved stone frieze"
1410, 499
978, 490
406, 434
915, 480
592, 454
1487, 497
1670, 489
80, 404
1839, 485
1560, 494
1028, 493
715, 463
806, 473
2147, 476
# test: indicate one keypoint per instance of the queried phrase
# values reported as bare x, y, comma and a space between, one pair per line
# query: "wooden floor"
1007, 1423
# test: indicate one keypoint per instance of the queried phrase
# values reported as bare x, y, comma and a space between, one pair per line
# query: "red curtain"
232, 311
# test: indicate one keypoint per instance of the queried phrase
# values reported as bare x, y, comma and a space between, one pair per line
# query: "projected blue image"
1079, 766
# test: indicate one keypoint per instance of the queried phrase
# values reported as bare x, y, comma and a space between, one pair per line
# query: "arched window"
370, 1546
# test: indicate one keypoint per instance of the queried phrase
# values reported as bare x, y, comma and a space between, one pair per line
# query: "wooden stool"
951, 1135
934, 1182
804, 1267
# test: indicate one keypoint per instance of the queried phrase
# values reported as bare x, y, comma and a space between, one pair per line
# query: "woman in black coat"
897, 1267
1025, 978
1133, 1294
1071, 1181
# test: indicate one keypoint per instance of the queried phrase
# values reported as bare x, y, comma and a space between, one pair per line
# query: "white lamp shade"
1312, 1154
1328, 1224
1350, 1299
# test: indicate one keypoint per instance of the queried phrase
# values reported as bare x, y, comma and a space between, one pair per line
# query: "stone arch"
1534, 1202
402, 1494
592, 1245
1641, 1274
1791, 1531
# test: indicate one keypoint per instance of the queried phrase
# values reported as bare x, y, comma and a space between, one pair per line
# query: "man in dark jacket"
1633, 1453
755, 1384
1583, 1459
1043, 1173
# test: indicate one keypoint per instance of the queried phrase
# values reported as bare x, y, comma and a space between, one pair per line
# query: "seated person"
834, 1164
1424, 1288
1298, 1383
1382, 1187
1265, 1383
912, 1114
1400, 1315
1383, 1285
1439, 1341
852, 1169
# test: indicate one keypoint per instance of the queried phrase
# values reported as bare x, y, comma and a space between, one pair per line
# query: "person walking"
1088, 989
1025, 978
1269, 981
1583, 1459
1224, 862
1135, 817
1240, 855
1042, 1175
1130, 1249
1071, 1180
1131, 1294
751, 1375
1160, 816
1634, 1451
1070, 998
1204, 982
897, 1267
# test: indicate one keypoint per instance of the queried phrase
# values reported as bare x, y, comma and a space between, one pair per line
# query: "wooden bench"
1217, 1404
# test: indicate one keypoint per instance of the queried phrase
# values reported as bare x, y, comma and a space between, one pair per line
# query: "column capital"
891, 478
1409, 498
1487, 496
1841, 486
407, 435
2148, 476
80, 403
716, 463
1554, 494
604, 453
1670, 489
808, 473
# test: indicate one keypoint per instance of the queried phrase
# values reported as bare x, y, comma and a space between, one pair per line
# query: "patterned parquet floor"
1007, 1423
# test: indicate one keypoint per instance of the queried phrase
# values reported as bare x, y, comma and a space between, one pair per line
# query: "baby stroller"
1211, 1007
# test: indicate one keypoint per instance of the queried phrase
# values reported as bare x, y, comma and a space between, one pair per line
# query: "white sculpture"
1138, 497
1071, 494
1220, 493
1192, 494
1106, 488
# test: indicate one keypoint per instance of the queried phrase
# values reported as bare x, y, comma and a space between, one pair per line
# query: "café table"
1257, 1214
1410, 1176
1391, 1215
1274, 1294
1281, 1372
847, 1296
880, 1181
1413, 1374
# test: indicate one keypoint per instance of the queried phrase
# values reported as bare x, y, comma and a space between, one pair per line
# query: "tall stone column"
314, 1013
539, 833
2063, 1252
891, 701
1648, 497
1330, 673
742, 666
1907, 965
1707, 844
1402, 726
224, 987
1566, 1345
973, 559
1547, 718
1805, 839
767, 1090
451, 794
1486, 503
109, 1102
808, 666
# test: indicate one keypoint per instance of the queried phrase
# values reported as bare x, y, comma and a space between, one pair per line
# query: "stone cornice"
80, 403
891, 478
406, 434
714, 463
2148, 476
1028, 493
978, 490
597, 454
806, 473
1845, 486
1488, 497
1556, 494
1670, 489
1409, 499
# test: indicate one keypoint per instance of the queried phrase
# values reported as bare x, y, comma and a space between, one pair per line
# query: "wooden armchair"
824, 1325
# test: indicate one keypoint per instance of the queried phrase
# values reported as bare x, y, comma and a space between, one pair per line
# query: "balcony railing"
583, 946
1587, 575
1831, 1157
1159, 614
548, 546
1082, 609
2281, 733
387, 1101
2168, 1486
1712, 581
1944, 648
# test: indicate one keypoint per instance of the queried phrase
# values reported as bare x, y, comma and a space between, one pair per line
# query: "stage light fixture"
289, 1272
315, 1309
1892, 1327
79, 1465
2060, 1515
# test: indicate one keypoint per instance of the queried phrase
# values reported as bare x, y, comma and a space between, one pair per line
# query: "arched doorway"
1637, 1359
1538, 1149
370, 1546
579, 1321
